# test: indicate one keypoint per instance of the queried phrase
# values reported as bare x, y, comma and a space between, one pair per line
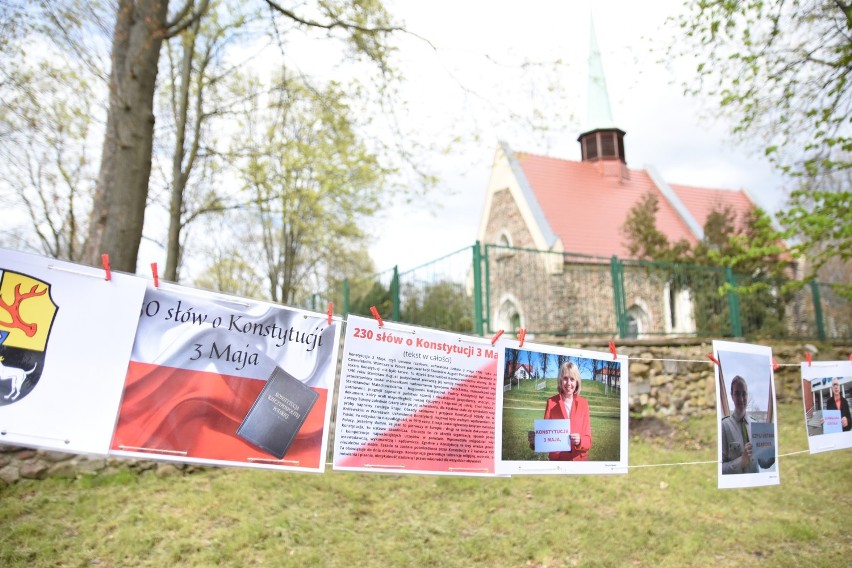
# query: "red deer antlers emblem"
14, 310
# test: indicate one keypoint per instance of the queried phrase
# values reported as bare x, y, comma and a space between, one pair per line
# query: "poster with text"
746, 416
65, 337
222, 380
415, 400
541, 386
826, 394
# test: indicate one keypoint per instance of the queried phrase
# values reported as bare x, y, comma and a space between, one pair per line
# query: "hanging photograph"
560, 411
746, 416
826, 394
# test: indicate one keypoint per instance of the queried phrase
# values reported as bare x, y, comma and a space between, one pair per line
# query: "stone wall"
675, 377
667, 378
18, 463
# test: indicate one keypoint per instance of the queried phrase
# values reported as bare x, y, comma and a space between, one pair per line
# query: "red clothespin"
155, 274
522, 333
496, 337
850, 357
330, 311
376, 315
105, 261
775, 365
710, 356
612, 350
808, 358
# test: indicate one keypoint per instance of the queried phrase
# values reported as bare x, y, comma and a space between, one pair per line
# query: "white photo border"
734, 359
516, 467
819, 370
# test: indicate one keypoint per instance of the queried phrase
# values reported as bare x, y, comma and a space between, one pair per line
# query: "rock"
55, 456
10, 474
66, 469
34, 469
637, 368
167, 470
91, 466
660, 380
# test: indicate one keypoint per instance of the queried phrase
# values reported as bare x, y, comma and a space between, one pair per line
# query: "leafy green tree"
750, 247
643, 239
49, 126
780, 70
309, 178
191, 103
229, 271
818, 220
140, 28
442, 305
375, 294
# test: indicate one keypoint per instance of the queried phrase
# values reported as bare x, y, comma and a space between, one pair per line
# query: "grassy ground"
654, 516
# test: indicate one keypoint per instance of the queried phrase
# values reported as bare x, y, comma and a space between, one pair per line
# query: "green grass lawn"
672, 515
524, 404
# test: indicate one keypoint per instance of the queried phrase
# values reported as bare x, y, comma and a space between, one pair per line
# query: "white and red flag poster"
224, 380
415, 400
65, 336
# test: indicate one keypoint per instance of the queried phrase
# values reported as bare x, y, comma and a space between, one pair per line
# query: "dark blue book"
278, 413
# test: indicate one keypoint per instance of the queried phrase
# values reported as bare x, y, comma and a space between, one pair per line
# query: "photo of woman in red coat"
569, 404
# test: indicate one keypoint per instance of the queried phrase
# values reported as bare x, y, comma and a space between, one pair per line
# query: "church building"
575, 210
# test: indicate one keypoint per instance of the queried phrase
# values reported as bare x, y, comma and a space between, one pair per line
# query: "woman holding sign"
569, 404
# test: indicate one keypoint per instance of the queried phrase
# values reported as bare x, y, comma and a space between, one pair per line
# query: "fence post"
345, 296
733, 303
477, 290
818, 310
395, 294
487, 315
617, 276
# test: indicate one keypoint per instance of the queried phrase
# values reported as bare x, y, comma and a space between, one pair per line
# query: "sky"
471, 79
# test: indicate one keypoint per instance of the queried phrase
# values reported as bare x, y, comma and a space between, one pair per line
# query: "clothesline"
705, 462
675, 464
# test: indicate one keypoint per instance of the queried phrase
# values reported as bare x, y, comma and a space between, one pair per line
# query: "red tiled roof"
702, 201
586, 209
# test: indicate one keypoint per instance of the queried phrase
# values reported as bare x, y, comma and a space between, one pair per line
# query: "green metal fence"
483, 289
437, 294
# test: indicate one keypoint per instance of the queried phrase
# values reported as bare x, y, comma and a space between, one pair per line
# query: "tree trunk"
118, 212
179, 174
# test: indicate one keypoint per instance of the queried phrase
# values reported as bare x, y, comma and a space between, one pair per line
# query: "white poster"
217, 379
415, 400
826, 392
65, 338
746, 416
543, 387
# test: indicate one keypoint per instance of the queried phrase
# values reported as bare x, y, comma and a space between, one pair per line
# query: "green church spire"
599, 112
